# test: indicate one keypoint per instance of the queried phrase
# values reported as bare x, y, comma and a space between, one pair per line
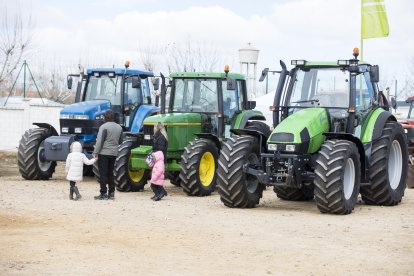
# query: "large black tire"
198, 167
388, 170
305, 193
30, 157
237, 189
126, 179
174, 178
259, 126
338, 177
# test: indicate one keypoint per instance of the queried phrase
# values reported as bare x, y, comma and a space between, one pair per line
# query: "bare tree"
15, 37
192, 56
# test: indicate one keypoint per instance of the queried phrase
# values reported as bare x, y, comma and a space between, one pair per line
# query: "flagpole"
362, 40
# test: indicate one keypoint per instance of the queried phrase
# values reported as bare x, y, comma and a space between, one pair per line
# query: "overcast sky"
103, 32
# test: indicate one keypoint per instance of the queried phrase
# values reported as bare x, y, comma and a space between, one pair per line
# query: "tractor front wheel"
198, 167
337, 177
388, 170
31, 155
174, 178
128, 179
236, 188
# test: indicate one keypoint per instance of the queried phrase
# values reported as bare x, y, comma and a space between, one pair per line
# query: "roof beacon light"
226, 68
127, 62
298, 62
356, 52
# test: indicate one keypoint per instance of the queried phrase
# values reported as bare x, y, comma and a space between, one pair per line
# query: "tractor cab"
209, 95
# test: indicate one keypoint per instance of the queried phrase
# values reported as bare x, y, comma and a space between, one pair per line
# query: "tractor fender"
384, 117
211, 137
364, 158
143, 112
250, 132
51, 129
242, 118
375, 124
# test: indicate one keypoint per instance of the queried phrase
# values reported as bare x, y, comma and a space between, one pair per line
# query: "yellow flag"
374, 22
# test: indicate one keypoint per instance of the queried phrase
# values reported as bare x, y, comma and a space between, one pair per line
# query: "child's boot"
154, 189
71, 191
78, 195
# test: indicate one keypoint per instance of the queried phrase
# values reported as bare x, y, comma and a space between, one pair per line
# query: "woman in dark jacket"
160, 139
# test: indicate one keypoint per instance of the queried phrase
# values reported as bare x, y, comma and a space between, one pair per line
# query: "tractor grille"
148, 135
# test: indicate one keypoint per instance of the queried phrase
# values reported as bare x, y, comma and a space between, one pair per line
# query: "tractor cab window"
135, 95
230, 100
364, 91
104, 88
324, 87
195, 95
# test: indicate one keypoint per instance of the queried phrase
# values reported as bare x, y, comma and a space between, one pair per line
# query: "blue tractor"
125, 91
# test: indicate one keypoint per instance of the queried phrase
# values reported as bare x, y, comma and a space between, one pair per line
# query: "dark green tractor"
203, 107
333, 139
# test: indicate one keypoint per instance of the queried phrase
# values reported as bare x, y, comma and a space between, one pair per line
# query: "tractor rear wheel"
259, 126
289, 193
31, 155
337, 177
236, 188
174, 178
128, 179
389, 165
198, 167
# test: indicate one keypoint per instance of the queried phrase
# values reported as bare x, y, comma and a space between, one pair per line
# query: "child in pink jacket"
156, 160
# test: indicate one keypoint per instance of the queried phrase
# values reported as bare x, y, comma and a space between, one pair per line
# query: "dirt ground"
42, 232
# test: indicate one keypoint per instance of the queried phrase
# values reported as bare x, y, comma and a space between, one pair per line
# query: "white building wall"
14, 121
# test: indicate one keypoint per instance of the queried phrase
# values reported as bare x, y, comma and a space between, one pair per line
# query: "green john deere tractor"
203, 107
333, 139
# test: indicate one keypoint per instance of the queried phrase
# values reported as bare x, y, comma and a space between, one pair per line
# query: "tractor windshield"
326, 87
104, 88
195, 95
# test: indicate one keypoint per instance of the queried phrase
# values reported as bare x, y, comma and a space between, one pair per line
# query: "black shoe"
111, 196
71, 192
78, 195
101, 197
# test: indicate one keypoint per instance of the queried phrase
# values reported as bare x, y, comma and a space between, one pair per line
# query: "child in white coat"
74, 167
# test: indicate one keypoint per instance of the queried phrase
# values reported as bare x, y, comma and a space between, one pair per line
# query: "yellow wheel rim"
135, 175
207, 169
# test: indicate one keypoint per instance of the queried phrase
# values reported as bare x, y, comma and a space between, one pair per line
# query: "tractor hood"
175, 119
304, 129
88, 110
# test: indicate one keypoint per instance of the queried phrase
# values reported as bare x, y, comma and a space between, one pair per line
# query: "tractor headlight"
78, 130
297, 62
81, 117
65, 129
272, 147
147, 137
65, 116
290, 148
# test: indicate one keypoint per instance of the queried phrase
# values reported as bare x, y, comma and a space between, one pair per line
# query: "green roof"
328, 63
206, 75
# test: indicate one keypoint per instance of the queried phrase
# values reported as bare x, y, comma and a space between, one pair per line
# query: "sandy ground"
42, 232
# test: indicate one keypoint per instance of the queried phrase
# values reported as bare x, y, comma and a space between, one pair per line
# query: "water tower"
248, 56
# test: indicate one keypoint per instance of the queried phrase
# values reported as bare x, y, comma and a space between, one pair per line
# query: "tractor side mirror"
156, 83
251, 105
264, 74
374, 73
393, 103
231, 84
136, 82
69, 82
